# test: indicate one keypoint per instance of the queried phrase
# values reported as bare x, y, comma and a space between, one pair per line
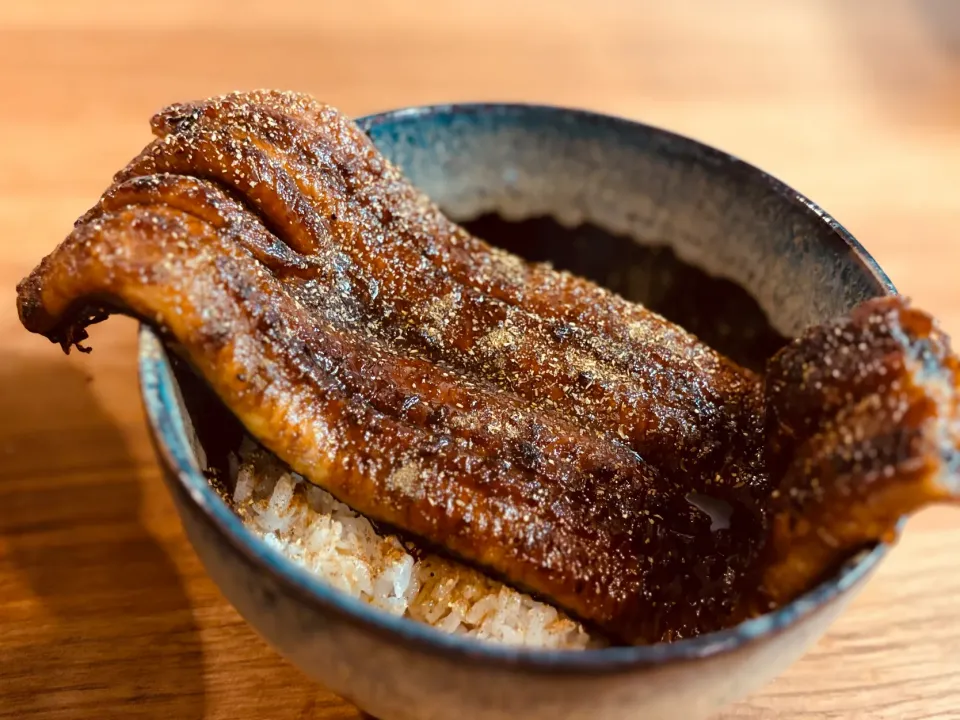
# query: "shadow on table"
108, 631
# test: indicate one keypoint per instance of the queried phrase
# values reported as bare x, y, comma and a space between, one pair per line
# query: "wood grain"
104, 609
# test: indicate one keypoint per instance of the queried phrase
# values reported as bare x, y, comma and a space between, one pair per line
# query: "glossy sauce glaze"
524, 419
717, 311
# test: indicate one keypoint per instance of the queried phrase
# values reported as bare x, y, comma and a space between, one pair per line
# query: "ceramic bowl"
662, 196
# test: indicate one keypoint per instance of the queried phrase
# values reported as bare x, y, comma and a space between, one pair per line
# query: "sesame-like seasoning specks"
503, 408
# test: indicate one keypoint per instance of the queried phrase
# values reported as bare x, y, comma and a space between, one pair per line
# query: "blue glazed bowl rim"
159, 393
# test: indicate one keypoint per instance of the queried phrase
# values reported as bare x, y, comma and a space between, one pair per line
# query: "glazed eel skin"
526, 421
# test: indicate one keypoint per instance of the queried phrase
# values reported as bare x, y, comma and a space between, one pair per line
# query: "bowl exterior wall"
393, 681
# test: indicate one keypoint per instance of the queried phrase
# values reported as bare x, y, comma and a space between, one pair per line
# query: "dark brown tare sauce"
656, 482
719, 312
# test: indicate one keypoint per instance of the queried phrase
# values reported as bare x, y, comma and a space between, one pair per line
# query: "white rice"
313, 529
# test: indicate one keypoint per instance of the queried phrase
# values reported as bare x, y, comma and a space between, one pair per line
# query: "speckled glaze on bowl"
717, 213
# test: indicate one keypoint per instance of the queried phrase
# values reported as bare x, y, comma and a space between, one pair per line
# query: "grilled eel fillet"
523, 419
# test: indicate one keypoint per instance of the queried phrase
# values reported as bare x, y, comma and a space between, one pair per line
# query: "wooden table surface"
104, 608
